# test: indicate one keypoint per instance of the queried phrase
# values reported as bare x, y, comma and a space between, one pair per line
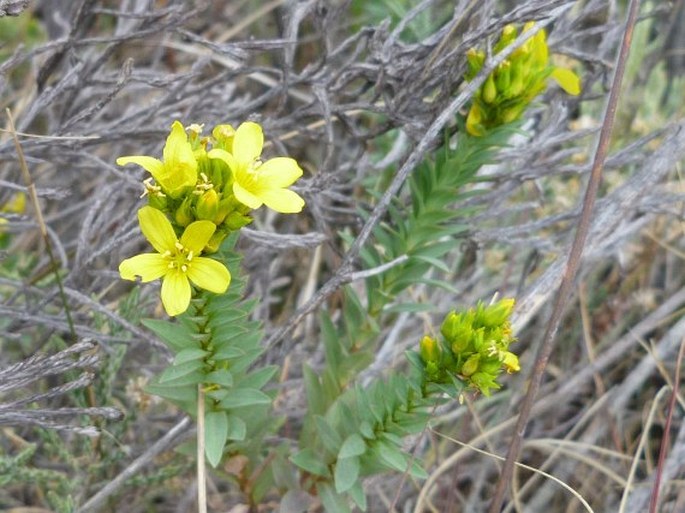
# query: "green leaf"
316, 401
176, 336
434, 262
310, 461
178, 371
173, 392
241, 397
366, 430
417, 470
353, 445
332, 501
188, 355
409, 307
358, 495
329, 437
346, 474
237, 429
259, 378
221, 377
392, 456
216, 433
228, 353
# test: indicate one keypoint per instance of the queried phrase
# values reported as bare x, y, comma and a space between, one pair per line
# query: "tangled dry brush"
350, 96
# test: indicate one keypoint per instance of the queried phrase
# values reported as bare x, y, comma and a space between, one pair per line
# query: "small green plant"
203, 192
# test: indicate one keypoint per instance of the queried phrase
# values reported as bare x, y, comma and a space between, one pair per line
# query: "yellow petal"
177, 148
279, 172
149, 164
148, 266
175, 293
246, 197
157, 229
220, 154
209, 274
568, 80
248, 142
282, 200
197, 235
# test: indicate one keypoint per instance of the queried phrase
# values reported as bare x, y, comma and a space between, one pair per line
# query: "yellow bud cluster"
474, 347
219, 178
510, 88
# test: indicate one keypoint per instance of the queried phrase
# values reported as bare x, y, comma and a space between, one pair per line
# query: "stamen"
184, 268
179, 246
189, 257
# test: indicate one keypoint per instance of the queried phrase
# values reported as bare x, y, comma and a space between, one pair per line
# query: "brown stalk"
654, 499
572, 265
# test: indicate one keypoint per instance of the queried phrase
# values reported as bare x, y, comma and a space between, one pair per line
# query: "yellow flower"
176, 261
178, 170
511, 362
256, 182
15, 205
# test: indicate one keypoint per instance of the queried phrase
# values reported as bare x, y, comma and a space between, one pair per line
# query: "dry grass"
350, 97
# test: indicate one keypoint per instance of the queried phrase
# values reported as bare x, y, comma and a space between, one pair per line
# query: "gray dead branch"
82, 357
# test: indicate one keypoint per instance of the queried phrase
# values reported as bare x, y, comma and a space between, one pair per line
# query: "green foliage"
214, 344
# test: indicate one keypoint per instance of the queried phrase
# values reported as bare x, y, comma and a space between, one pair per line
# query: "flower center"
180, 259
250, 177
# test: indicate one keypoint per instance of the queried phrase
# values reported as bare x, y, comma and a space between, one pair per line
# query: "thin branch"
572, 266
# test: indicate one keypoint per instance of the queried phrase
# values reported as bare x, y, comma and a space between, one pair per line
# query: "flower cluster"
474, 347
510, 88
203, 189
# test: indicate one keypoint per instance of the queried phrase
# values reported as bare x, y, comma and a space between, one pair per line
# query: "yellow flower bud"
429, 350
471, 365
475, 60
474, 121
208, 205
508, 35
489, 90
184, 214
503, 77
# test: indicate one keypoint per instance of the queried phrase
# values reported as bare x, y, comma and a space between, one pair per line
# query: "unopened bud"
471, 365
475, 60
489, 90
184, 213
503, 77
429, 350
207, 205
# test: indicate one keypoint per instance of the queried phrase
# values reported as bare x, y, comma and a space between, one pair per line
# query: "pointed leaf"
241, 397
310, 461
353, 445
187, 355
237, 429
177, 371
346, 474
